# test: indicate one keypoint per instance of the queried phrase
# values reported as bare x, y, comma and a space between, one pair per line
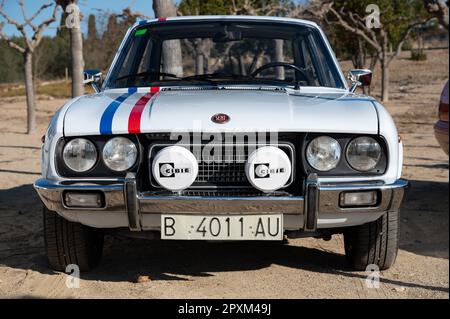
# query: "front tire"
71, 243
373, 243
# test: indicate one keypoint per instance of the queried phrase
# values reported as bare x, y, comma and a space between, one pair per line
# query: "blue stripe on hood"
107, 117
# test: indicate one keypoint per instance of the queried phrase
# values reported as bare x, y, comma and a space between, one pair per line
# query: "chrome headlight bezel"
335, 148
375, 159
93, 153
344, 169
100, 170
124, 164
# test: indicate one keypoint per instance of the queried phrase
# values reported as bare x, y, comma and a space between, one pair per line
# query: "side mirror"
94, 78
359, 77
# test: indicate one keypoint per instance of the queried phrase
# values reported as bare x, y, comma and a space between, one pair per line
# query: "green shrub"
418, 55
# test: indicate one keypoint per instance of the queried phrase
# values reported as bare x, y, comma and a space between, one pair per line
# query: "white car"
222, 128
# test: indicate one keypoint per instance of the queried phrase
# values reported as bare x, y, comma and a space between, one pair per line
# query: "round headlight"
119, 154
363, 153
323, 153
80, 155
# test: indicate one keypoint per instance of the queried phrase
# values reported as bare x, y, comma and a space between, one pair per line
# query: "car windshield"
224, 52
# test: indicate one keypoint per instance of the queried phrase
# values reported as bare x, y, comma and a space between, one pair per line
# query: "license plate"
233, 227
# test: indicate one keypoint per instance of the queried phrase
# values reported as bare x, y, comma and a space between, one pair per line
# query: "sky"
87, 7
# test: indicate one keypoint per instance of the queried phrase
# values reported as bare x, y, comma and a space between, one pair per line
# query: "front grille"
223, 166
220, 193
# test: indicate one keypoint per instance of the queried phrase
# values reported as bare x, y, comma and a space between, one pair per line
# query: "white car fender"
388, 131
53, 133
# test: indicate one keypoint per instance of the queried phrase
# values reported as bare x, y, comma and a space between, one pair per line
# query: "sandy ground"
301, 268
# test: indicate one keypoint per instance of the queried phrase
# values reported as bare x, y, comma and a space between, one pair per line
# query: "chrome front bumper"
318, 208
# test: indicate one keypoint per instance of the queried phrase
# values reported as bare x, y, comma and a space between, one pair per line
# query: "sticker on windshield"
140, 32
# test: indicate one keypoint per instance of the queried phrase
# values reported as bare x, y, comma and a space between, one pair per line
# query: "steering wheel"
278, 64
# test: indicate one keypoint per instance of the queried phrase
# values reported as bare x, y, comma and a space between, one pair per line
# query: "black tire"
71, 243
373, 243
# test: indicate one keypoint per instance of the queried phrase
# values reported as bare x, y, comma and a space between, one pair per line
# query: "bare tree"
268, 8
201, 51
200, 58
439, 9
377, 38
171, 48
132, 16
28, 49
76, 46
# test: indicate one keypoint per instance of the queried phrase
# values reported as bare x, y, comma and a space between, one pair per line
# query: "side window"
129, 59
307, 64
145, 61
134, 62
329, 78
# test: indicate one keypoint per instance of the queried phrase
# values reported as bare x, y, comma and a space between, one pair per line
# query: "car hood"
122, 112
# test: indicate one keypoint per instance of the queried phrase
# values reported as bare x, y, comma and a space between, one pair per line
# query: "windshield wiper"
211, 76
214, 75
202, 76
146, 74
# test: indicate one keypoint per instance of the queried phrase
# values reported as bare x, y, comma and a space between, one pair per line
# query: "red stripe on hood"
134, 121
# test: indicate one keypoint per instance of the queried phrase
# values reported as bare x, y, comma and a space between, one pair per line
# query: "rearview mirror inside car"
227, 36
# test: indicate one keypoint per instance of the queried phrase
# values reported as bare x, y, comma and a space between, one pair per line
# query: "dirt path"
303, 268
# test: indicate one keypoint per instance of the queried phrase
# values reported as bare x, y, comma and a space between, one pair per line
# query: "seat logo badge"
263, 170
169, 170
220, 118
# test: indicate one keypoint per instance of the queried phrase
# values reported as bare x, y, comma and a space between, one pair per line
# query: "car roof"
242, 18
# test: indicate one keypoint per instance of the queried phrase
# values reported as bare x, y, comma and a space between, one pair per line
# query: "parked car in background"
167, 146
441, 126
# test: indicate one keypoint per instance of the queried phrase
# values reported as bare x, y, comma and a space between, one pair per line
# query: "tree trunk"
29, 89
242, 65
164, 8
373, 63
384, 78
199, 65
361, 60
384, 68
207, 45
171, 49
279, 57
76, 45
